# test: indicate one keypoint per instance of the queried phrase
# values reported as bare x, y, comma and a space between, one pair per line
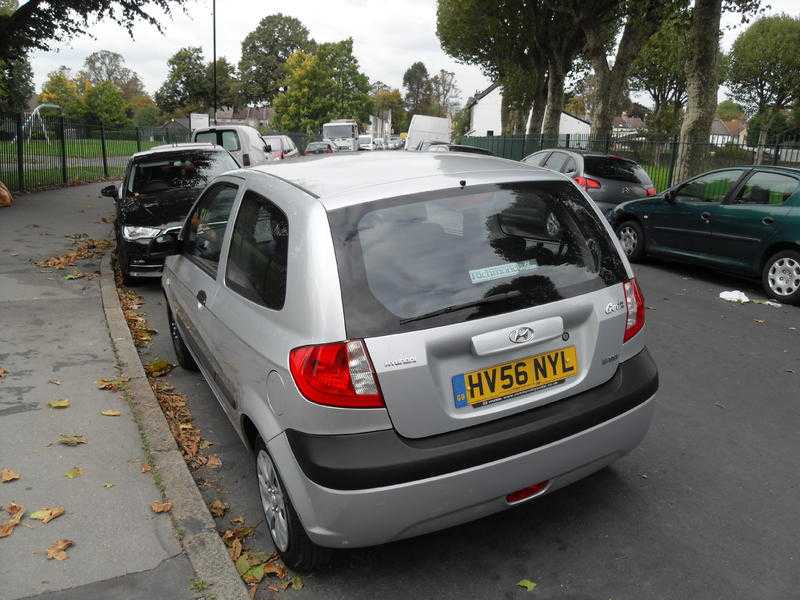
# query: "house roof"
628, 122
478, 95
735, 126
576, 117
718, 127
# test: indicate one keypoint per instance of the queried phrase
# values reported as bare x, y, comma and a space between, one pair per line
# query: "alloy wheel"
784, 276
629, 239
272, 500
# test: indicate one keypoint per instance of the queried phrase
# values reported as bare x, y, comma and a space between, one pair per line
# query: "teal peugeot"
742, 220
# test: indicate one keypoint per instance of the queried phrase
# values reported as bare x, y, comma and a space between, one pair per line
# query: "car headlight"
130, 232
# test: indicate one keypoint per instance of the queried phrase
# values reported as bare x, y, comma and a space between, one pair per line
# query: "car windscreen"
438, 258
337, 131
274, 141
164, 172
317, 146
612, 167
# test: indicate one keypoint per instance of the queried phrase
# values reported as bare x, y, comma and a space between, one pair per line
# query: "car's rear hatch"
620, 179
476, 304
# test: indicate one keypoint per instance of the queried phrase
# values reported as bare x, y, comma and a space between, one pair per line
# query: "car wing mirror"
669, 196
109, 191
267, 148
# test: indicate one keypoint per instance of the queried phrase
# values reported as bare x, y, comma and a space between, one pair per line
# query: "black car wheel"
631, 237
781, 277
185, 359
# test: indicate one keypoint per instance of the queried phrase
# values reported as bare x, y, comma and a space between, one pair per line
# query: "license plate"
509, 379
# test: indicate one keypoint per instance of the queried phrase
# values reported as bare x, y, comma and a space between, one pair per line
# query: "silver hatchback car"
409, 341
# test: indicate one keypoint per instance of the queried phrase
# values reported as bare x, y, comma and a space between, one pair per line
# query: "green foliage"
265, 51
322, 86
104, 65
384, 99
187, 87
104, 103
16, 84
417, 84
781, 125
728, 110
228, 84
61, 89
764, 63
733, 154
461, 123
35, 23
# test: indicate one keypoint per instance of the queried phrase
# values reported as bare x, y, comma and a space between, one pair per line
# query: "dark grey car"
608, 179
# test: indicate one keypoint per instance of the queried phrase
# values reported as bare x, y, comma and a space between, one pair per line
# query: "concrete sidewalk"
53, 330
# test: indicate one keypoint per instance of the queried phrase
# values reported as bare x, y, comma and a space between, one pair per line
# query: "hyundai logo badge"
520, 335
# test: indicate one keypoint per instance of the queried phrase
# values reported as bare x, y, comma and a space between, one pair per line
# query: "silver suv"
409, 341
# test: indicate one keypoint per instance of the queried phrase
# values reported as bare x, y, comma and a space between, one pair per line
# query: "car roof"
351, 178
177, 148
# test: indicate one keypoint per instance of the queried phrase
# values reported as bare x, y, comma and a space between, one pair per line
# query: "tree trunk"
555, 101
702, 84
539, 105
506, 115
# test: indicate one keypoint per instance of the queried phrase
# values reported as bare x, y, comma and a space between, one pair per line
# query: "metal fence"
47, 151
656, 156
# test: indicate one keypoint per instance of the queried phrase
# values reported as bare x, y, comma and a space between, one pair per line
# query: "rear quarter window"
609, 167
439, 258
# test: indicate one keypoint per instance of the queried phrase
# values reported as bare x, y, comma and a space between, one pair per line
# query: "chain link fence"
656, 156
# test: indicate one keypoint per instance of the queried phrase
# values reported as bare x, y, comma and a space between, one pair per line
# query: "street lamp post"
214, 57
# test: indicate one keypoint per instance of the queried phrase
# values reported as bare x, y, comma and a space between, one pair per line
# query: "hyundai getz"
408, 342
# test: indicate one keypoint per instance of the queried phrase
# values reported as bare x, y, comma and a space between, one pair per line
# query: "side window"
555, 161
536, 159
209, 137
230, 140
288, 143
569, 166
713, 187
206, 228
767, 188
258, 253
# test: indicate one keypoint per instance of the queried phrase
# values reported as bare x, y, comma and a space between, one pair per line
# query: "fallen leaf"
205, 444
218, 508
73, 473
74, 275
759, 321
161, 507
7, 475
297, 583
110, 413
146, 468
115, 384
235, 550
108, 485
15, 512
47, 514
60, 403
158, 368
71, 440
237, 520
3, 372
526, 584
58, 550
214, 461
54, 381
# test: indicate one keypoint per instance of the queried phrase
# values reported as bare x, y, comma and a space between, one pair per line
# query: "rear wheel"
781, 277
287, 532
182, 353
631, 237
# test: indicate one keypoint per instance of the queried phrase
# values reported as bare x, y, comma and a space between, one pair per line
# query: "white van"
424, 130
242, 141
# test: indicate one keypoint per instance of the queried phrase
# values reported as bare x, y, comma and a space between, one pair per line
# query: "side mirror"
109, 191
669, 196
169, 243
267, 148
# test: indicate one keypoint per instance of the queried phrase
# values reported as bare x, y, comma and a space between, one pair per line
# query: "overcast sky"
387, 36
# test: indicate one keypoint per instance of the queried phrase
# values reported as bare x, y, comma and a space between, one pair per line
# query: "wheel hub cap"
272, 501
628, 238
784, 276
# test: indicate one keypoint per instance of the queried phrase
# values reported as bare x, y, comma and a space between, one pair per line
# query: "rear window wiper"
456, 307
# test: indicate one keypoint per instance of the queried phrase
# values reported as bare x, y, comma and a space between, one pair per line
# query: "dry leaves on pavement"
7, 475
54, 381
218, 508
60, 403
47, 514
113, 385
15, 512
158, 368
58, 550
110, 413
73, 473
130, 302
3, 372
83, 250
71, 439
161, 506
214, 461
146, 468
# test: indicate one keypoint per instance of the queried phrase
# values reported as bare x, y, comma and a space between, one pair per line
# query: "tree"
144, 112
61, 89
16, 75
728, 110
105, 104
417, 84
762, 73
322, 86
265, 50
105, 65
391, 100
187, 86
445, 94
35, 23
229, 92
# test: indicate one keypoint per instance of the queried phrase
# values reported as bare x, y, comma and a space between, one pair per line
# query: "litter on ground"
738, 297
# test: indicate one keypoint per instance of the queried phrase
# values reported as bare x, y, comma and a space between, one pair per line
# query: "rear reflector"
527, 492
587, 183
634, 304
651, 191
338, 374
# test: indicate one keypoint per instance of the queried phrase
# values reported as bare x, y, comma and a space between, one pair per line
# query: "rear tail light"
634, 305
651, 191
587, 183
338, 374
328, 150
527, 492
281, 155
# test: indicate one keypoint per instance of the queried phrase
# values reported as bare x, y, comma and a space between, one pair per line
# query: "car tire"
631, 237
781, 277
185, 358
288, 535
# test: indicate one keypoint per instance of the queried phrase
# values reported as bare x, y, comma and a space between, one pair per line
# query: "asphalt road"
706, 507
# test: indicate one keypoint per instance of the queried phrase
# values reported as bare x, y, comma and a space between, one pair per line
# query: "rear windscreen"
611, 167
439, 258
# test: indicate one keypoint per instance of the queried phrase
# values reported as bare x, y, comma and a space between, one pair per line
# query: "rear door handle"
768, 221
706, 217
201, 298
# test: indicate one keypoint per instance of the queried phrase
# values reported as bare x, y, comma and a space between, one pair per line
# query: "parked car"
742, 220
243, 142
442, 147
457, 336
281, 146
158, 189
608, 179
319, 148
365, 142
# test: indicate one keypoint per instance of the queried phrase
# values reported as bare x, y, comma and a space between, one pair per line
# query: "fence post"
673, 157
541, 141
776, 153
63, 149
138, 140
103, 148
524, 140
607, 144
20, 158
566, 140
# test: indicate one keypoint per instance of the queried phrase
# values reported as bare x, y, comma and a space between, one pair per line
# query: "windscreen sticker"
502, 271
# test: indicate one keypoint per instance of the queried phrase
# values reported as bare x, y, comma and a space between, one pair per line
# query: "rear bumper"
460, 481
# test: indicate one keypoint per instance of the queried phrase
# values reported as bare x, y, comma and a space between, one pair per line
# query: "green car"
742, 220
